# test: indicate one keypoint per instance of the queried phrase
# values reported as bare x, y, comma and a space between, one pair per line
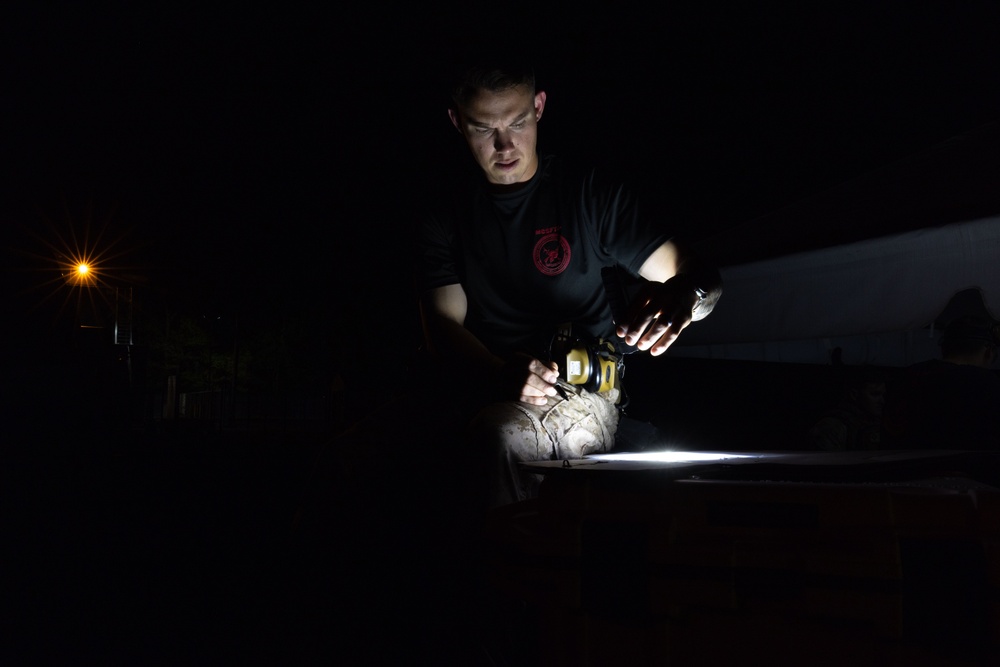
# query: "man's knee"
510, 430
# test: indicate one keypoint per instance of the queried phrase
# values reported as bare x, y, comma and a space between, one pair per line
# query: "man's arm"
681, 290
443, 311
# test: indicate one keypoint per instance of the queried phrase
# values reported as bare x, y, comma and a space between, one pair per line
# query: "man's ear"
455, 120
539, 104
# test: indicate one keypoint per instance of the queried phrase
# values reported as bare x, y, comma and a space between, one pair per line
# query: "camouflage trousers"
569, 426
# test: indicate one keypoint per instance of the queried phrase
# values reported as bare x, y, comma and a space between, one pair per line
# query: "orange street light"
82, 272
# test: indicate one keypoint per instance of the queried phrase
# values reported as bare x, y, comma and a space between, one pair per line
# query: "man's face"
501, 128
871, 398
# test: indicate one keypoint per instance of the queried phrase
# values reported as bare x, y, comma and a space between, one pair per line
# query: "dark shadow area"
265, 167
181, 544
731, 405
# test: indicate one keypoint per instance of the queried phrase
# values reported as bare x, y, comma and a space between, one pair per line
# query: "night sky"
267, 161
252, 158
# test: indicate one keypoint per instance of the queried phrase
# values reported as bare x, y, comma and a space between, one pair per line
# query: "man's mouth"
507, 166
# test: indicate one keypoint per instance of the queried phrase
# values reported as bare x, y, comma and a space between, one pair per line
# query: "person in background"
952, 402
855, 422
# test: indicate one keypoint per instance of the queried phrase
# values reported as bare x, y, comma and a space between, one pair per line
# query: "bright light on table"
668, 457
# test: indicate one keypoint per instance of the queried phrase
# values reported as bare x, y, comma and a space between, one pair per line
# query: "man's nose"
502, 142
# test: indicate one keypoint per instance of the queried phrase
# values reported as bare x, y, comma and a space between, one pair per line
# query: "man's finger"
535, 400
660, 345
537, 395
540, 387
548, 374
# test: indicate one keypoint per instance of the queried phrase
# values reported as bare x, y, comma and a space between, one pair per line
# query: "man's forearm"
670, 262
453, 343
706, 281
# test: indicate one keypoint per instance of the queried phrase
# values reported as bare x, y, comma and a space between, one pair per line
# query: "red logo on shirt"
552, 254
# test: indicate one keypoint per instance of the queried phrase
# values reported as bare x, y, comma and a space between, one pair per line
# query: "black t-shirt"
531, 260
940, 405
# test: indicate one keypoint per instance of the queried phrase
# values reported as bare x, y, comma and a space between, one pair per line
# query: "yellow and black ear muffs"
593, 367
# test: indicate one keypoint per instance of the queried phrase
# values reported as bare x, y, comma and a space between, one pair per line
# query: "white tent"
869, 271
877, 300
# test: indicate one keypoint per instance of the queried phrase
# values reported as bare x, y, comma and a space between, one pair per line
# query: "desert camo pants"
568, 427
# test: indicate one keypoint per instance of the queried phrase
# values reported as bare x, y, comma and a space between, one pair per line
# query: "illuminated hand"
531, 380
658, 315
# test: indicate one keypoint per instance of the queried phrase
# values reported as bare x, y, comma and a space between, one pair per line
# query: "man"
521, 256
855, 422
952, 402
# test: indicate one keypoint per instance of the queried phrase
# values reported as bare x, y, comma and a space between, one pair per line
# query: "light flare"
669, 456
75, 255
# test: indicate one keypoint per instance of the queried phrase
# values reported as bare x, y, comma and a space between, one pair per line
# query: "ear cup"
593, 367
580, 366
595, 377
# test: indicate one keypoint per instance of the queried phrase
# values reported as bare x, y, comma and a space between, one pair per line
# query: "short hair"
969, 335
491, 76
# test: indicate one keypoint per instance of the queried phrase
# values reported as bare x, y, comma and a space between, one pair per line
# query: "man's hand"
658, 315
530, 380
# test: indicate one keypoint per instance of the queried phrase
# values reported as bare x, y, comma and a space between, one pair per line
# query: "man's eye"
518, 126
483, 130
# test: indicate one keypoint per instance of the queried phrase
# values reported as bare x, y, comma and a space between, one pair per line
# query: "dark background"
267, 162
263, 155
